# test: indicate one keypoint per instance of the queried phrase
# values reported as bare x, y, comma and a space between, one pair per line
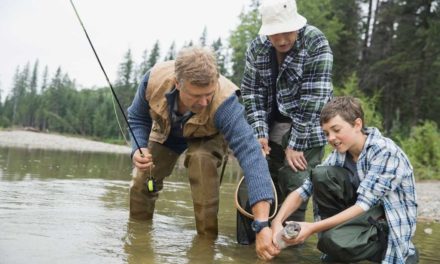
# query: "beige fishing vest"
161, 81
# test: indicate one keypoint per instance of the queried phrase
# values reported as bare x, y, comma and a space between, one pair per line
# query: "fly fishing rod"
106, 77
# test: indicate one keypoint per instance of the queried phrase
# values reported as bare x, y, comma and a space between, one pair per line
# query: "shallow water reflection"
67, 207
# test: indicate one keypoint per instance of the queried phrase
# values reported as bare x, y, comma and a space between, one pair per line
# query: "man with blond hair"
187, 105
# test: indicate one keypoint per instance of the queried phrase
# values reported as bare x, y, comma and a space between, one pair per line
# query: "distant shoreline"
41, 140
427, 191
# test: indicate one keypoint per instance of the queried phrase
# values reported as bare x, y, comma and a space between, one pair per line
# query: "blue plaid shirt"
386, 176
303, 86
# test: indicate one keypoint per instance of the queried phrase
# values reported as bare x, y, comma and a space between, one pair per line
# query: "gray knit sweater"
230, 121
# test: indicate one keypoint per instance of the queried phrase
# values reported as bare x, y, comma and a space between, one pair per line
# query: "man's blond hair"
196, 65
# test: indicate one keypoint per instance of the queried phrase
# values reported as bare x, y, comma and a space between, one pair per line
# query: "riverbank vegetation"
387, 53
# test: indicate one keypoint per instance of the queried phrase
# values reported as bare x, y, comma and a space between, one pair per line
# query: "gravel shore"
39, 140
428, 192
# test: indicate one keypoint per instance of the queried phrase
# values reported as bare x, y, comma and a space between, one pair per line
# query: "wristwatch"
257, 226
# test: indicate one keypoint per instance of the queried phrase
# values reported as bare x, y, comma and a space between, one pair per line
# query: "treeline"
385, 51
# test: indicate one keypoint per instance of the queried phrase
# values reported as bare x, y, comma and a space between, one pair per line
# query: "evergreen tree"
59, 103
34, 79
154, 55
246, 31
126, 70
19, 90
402, 61
171, 55
142, 68
44, 82
31, 101
219, 50
204, 37
347, 48
125, 88
321, 14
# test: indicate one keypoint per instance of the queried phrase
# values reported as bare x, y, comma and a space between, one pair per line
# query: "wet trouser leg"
286, 179
361, 238
203, 158
142, 201
332, 190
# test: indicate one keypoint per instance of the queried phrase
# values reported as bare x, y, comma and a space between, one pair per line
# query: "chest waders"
362, 238
202, 159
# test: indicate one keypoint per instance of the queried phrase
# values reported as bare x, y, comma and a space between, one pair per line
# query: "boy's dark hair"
347, 107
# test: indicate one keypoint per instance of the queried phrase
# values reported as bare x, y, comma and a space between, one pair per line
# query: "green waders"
203, 157
286, 180
362, 238
142, 201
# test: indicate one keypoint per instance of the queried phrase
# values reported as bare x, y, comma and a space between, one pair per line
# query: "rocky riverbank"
39, 140
428, 192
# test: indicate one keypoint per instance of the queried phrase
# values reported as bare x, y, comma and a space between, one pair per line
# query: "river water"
71, 207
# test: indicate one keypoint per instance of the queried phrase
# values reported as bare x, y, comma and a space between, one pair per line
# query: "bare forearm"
260, 210
290, 205
337, 219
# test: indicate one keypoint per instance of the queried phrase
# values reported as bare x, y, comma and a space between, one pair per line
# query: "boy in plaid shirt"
365, 170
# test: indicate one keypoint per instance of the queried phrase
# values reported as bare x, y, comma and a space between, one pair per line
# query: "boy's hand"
276, 228
304, 234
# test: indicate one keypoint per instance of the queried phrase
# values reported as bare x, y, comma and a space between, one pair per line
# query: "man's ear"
176, 83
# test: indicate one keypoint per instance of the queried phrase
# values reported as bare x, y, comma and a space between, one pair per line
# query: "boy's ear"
358, 123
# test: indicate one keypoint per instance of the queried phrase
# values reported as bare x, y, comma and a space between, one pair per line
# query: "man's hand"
143, 162
296, 159
266, 250
264, 146
263, 239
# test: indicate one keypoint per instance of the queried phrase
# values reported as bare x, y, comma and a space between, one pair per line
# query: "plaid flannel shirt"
303, 87
386, 176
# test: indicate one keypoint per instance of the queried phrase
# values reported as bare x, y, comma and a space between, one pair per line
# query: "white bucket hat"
280, 16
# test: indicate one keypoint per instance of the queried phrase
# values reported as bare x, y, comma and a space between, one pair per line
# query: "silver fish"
290, 231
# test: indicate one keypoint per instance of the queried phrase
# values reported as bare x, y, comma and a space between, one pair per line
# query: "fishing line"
108, 81
246, 213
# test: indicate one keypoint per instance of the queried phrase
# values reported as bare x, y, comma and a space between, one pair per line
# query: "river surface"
72, 207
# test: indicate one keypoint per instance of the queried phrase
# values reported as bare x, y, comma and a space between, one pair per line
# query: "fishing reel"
151, 184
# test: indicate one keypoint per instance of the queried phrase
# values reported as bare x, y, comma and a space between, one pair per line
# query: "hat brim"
293, 25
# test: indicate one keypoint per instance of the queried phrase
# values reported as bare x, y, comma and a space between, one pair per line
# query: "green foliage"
246, 31
402, 61
126, 70
423, 150
219, 50
204, 37
394, 73
171, 54
319, 13
154, 55
372, 117
347, 49
142, 68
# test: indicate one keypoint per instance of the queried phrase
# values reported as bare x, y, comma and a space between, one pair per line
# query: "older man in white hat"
286, 82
